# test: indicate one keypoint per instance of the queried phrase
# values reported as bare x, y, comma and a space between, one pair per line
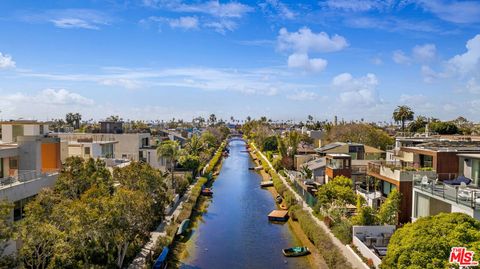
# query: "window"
387, 187
87, 150
42, 130
422, 206
13, 163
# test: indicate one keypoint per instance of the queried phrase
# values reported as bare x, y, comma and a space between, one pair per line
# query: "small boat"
207, 192
258, 168
183, 227
295, 251
284, 207
278, 199
265, 184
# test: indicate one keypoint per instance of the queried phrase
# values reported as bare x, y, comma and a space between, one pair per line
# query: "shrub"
343, 231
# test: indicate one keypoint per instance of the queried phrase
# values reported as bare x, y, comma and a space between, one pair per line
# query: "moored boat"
207, 192
183, 227
295, 251
278, 199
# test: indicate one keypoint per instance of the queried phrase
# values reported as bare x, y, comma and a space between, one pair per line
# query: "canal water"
234, 231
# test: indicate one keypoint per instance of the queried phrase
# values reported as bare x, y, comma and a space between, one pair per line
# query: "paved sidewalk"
140, 259
348, 254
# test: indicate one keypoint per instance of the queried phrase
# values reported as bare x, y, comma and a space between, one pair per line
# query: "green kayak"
295, 251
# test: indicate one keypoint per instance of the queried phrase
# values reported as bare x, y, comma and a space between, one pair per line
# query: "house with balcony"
432, 196
87, 148
433, 160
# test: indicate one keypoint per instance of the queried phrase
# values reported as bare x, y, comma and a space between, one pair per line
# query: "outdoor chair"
425, 182
463, 192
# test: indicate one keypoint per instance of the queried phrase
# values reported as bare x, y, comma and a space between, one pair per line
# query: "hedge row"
331, 254
216, 157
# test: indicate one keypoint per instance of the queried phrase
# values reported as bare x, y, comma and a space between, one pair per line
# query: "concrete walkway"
354, 260
140, 260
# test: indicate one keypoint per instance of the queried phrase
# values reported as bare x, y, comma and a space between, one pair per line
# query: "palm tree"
169, 150
403, 114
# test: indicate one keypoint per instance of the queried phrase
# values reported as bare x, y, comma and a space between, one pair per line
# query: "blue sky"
156, 59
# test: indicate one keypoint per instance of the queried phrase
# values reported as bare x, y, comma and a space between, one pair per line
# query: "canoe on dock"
265, 184
295, 251
278, 215
183, 227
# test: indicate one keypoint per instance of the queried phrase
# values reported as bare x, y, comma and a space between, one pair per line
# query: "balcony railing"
24, 176
464, 195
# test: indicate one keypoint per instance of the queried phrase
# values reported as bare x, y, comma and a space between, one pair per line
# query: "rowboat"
183, 227
278, 199
295, 251
207, 192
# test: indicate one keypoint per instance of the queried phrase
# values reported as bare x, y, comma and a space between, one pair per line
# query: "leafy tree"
442, 127
418, 124
6, 233
403, 114
389, 210
212, 119
306, 172
190, 162
426, 243
270, 144
365, 216
194, 146
338, 190
360, 133
73, 119
114, 118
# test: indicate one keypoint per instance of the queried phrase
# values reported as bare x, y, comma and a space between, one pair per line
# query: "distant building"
355, 150
111, 127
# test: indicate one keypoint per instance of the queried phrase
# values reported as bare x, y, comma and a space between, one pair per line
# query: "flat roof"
23, 122
470, 155
342, 155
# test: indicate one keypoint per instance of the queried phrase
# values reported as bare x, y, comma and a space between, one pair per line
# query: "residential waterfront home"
432, 195
434, 160
29, 162
355, 150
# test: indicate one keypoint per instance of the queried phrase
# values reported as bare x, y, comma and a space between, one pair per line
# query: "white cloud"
6, 61
357, 91
425, 52
377, 60
356, 6
449, 107
301, 60
399, 57
121, 82
61, 97
453, 11
472, 86
414, 99
469, 61
222, 26
304, 40
184, 22
214, 8
302, 95
71, 18
278, 8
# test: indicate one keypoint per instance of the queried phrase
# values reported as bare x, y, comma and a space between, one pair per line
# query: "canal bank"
315, 258
233, 230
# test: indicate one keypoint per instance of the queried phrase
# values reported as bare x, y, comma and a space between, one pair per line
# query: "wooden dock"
278, 215
265, 184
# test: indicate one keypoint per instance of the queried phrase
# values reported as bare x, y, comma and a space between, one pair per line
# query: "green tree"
270, 144
73, 119
444, 127
403, 114
194, 145
366, 215
338, 190
169, 150
426, 243
306, 172
389, 210
360, 133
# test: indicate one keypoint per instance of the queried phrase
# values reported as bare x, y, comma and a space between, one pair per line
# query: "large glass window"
422, 206
387, 187
426, 161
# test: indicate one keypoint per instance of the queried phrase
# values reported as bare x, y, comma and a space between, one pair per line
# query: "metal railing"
463, 195
25, 176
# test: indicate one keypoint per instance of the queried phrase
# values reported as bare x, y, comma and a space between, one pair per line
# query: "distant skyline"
158, 59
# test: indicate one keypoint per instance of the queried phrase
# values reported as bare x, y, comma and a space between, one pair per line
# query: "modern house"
111, 127
126, 146
432, 160
87, 148
432, 195
29, 162
355, 150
